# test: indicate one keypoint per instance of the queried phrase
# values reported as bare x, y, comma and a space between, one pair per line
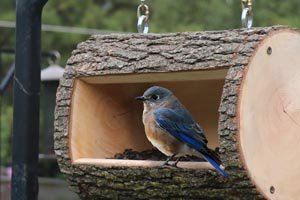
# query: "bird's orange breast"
159, 138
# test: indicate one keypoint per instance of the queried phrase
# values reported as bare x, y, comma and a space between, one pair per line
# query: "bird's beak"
141, 98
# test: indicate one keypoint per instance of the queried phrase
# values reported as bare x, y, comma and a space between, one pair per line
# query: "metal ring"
142, 9
142, 25
247, 18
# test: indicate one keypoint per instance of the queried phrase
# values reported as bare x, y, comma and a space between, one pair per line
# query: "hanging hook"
143, 16
247, 15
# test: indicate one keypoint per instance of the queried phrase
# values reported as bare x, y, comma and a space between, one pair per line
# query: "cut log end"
269, 112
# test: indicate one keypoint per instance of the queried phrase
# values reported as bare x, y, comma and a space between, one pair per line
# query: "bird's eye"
154, 97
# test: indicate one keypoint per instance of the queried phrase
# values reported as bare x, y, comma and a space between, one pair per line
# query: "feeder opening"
106, 119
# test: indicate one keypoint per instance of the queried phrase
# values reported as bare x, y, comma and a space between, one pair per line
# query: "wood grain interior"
212, 74
105, 118
141, 163
270, 117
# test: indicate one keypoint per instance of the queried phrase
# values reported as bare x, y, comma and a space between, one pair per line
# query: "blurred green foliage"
6, 131
165, 16
120, 16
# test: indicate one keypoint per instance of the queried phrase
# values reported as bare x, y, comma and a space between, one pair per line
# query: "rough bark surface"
136, 53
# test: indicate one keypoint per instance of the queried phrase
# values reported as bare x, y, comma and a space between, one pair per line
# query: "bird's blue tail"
215, 164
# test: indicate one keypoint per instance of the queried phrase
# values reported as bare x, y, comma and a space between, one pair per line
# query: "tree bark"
152, 53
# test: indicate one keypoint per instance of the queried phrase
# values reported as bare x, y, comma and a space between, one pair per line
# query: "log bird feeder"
242, 86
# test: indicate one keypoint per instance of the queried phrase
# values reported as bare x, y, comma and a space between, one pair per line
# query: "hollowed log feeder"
242, 86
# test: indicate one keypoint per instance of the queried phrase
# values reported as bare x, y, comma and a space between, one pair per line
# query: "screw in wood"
269, 50
272, 189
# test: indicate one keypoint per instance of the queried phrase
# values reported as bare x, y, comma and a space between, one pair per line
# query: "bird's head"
155, 96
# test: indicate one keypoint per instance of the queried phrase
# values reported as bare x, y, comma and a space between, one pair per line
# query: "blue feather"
215, 164
191, 141
183, 127
176, 126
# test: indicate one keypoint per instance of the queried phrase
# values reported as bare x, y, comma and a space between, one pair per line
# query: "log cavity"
106, 119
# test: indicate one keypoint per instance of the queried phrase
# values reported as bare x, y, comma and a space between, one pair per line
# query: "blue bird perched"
170, 127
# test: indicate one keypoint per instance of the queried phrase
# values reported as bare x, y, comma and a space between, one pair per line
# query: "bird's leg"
169, 158
176, 162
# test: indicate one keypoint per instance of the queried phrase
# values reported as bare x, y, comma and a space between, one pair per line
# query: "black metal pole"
26, 99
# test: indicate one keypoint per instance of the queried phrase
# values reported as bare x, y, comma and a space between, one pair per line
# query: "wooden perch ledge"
242, 86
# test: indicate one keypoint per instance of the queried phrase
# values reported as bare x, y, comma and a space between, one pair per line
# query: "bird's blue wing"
181, 126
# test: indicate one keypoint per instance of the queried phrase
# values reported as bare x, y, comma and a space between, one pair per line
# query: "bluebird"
170, 127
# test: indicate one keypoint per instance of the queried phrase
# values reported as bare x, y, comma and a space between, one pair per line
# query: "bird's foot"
166, 163
174, 164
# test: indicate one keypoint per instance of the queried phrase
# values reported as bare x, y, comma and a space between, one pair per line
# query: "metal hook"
143, 16
142, 25
247, 18
247, 15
